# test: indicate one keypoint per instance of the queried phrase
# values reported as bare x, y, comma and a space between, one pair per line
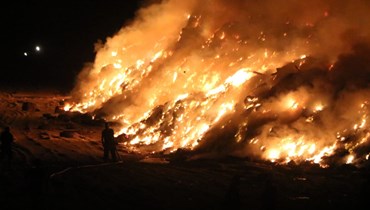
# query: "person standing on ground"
7, 139
109, 144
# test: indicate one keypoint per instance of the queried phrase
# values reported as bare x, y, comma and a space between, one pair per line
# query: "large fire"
283, 82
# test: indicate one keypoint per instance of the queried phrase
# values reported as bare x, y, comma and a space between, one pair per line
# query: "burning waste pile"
281, 82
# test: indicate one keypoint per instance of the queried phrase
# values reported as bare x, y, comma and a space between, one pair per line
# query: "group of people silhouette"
35, 177
7, 141
232, 199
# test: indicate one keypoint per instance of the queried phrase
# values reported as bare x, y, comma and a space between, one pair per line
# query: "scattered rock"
71, 126
12, 105
87, 119
44, 135
67, 134
44, 126
29, 106
64, 117
48, 116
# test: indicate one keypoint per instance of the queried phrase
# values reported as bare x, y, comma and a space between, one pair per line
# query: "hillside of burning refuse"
310, 109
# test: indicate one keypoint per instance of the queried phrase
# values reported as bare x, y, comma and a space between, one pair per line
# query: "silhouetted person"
109, 144
232, 196
269, 196
7, 140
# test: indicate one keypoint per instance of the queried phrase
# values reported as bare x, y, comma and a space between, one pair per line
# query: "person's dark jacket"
108, 138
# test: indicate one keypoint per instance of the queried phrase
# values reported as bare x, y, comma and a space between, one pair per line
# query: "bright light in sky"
25, 54
37, 48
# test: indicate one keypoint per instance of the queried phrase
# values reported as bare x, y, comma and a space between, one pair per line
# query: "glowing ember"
273, 155
319, 107
350, 159
292, 104
182, 77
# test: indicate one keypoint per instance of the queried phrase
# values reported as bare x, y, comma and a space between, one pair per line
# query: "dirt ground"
200, 184
58, 165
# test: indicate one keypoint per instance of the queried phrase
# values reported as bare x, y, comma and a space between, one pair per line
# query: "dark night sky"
66, 32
